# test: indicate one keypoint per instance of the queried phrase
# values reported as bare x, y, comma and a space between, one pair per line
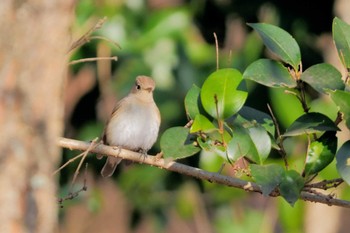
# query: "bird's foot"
143, 154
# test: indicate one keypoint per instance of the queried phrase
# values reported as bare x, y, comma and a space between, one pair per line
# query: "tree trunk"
34, 38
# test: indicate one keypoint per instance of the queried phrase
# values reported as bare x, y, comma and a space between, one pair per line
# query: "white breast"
135, 128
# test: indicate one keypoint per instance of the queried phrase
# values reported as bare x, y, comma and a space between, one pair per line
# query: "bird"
134, 123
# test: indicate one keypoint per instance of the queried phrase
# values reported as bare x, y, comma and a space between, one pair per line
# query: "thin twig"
106, 39
114, 58
188, 124
302, 96
68, 162
192, 171
340, 117
86, 37
326, 184
217, 50
280, 137
76, 173
221, 128
72, 195
274, 121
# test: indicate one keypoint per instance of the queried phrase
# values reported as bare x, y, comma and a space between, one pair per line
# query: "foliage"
221, 126
166, 44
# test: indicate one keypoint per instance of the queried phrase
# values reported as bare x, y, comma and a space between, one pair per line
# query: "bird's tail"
110, 166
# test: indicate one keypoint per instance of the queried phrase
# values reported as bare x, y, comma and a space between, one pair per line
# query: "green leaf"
286, 107
222, 94
252, 114
310, 123
210, 145
291, 186
192, 101
205, 144
269, 73
242, 145
249, 139
279, 42
201, 123
268, 177
341, 37
342, 100
322, 77
175, 143
261, 141
343, 161
320, 153
212, 139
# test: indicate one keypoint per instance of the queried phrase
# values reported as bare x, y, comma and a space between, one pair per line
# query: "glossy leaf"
279, 42
342, 100
269, 73
310, 123
320, 153
291, 186
241, 145
192, 101
175, 143
343, 161
222, 93
249, 139
201, 123
323, 77
261, 141
341, 37
268, 177
265, 120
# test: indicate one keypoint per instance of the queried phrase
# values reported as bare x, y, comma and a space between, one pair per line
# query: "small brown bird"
134, 123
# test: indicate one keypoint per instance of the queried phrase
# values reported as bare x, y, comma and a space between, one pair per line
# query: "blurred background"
172, 41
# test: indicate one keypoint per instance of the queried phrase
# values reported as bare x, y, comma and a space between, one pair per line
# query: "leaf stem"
221, 128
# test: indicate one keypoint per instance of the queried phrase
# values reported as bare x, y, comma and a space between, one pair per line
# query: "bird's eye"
138, 87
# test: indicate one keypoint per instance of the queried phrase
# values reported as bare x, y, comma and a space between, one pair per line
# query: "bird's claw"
143, 154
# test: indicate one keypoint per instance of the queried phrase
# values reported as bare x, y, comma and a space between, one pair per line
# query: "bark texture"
34, 37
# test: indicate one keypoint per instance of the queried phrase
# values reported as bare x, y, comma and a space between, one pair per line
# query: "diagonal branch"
87, 36
191, 171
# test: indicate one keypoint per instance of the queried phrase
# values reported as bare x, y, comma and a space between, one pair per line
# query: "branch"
326, 184
191, 171
71, 195
86, 37
92, 59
